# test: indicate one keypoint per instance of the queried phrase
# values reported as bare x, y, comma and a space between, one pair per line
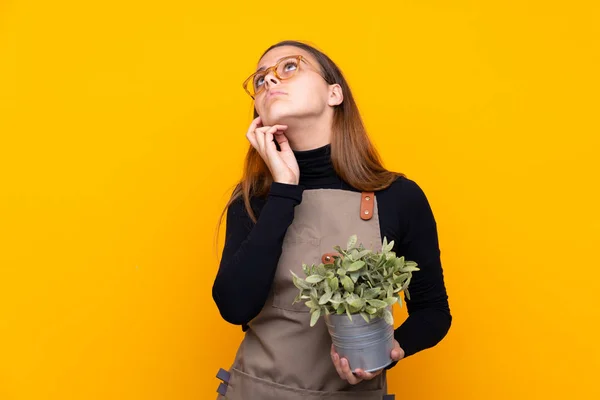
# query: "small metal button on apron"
367, 198
366, 212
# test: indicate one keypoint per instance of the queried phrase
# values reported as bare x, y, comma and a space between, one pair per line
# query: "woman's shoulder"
404, 185
404, 191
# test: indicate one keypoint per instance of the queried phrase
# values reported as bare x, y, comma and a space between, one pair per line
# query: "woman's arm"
252, 251
429, 313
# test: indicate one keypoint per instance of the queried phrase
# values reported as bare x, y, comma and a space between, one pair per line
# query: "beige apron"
281, 357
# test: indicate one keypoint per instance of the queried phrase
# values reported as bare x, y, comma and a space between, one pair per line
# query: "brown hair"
354, 157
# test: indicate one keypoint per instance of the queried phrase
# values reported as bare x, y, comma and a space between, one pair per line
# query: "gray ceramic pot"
367, 346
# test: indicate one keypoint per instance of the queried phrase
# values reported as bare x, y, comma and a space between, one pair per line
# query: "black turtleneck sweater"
252, 251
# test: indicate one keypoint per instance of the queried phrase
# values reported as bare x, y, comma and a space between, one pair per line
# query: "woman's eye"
259, 81
290, 66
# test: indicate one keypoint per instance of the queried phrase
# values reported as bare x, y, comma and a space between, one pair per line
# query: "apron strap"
366, 205
224, 376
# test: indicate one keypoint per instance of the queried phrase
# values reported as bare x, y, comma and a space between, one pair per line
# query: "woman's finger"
270, 145
367, 375
256, 123
336, 362
250, 135
260, 141
267, 128
348, 375
271, 148
397, 351
283, 142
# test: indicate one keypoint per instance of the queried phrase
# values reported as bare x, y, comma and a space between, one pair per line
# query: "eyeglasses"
284, 69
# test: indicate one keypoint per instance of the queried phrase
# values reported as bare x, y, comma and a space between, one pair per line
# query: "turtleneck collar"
316, 168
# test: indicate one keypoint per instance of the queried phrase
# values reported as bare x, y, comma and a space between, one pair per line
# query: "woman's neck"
316, 168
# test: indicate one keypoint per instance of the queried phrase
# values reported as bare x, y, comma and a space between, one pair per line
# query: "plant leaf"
321, 270
410, 269
334, 283
401, 278
355, 266
356, 302
314, 316
390, 291
305, 269
365, 316
325, 298
347, 307
377, 303
391, 300
299, 282
347, 283
314, 279
326, 285
371, 293
387, 315
387, 246
363, 253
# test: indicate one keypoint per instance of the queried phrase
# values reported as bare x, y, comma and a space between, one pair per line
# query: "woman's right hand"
282, 164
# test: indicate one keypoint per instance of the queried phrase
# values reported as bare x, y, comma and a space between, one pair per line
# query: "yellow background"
123, 130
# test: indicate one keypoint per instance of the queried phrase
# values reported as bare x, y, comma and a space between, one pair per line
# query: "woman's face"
305, 94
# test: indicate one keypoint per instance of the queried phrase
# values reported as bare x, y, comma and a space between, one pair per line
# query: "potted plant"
355, 295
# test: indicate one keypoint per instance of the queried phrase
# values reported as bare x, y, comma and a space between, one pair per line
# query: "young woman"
312, 178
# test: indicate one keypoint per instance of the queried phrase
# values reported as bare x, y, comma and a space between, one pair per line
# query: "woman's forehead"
277, 53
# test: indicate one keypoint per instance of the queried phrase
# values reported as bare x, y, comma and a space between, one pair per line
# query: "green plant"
359, 281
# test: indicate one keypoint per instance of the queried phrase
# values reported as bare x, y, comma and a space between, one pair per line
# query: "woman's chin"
274, 117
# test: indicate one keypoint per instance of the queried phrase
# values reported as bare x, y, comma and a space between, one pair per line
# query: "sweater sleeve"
429, 317
251, 252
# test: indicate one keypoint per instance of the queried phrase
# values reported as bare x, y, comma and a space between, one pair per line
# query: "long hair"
354, 157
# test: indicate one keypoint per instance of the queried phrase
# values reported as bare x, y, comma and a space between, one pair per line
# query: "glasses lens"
257, 82
287, 68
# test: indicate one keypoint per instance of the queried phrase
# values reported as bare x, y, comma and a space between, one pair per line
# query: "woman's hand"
343, 368
282, 164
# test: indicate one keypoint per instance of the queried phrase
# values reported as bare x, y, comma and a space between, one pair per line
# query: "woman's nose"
271, 79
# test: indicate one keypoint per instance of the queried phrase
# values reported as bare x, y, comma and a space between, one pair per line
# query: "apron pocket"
244, 386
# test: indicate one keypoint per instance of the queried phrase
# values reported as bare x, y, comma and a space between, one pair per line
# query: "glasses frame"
274, 69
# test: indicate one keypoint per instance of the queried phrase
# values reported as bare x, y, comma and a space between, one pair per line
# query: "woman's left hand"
343, 367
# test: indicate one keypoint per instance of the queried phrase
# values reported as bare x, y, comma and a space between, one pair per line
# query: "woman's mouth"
276, 93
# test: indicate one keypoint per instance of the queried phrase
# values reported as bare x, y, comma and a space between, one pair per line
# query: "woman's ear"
336, 96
